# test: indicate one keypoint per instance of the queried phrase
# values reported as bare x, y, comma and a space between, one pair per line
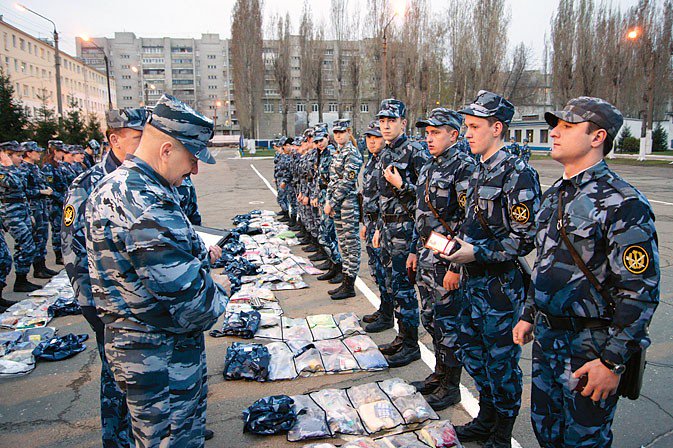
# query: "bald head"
166, 155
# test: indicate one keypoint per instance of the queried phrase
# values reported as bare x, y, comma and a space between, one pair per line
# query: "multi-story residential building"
29, 62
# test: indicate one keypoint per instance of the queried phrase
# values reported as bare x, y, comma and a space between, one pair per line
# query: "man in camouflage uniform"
15, 214
327, 232
514, 147
90, 153
499, 227
310, 193
38, 194
124, 131
440, 207
156, 312
381, 319
286, 195
401, 161
525, 151
295, 159
5, 266
581, 332
341, 204
54, 173
187, 193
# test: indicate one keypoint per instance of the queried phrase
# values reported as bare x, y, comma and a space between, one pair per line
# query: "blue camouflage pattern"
38, 203
188, 201
15, 215
327, 236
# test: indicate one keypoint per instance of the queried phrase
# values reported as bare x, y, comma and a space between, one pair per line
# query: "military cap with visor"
392, 108
341, 125
374, 129
127, 118
586, 108
488, 104
31, 146
442, 117
11, 145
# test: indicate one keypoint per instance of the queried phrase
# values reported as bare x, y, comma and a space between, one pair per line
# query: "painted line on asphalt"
670, 204
467, 400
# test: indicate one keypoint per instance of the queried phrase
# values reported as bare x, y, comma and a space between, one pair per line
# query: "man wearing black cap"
440, 207
499, 227
595, 282
401, 162
151, 278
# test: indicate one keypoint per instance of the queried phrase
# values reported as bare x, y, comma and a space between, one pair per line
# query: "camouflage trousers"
38, 210
283, 199
16, 218
440, 311
377, 270
395, 248
328, 239
314, 217
560, 416
5, 260
492, 308
163, 377
292, 200
347, 226
114, 414
55, 218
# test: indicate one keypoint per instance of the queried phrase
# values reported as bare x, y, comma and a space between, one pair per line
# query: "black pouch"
632, 379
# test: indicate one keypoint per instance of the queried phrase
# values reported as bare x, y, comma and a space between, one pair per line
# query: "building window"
154, 60
364, 107
301, 107
315, 107
333, 107
517, 135
544, 135
529, 135
126, 66
212, 76
211, 56
125, 56
126, 76
212, 67
348, 108
212, 87
126, 87
128, 98
268, 107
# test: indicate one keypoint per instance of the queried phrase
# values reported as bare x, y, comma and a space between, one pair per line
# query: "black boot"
318, 256
369, 318
304, 240
337, 279
46, 269
21, 284
41, 271
59, 257
326, 266
480, 428
383, 323
208, 434
448, 392
283, 218
333, 271
347, 289
431, 382
502, 436
410, 351
311, 247
396, 345
292, 222
4, 303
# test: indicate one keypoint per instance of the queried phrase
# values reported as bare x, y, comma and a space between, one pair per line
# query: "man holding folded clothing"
595, 283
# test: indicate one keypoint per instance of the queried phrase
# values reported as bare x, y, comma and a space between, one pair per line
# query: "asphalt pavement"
57, 404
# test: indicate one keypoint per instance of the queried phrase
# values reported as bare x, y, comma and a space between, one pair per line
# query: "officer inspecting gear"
441, 192
15, 213
38, 193
401, 162
595, 283
499, 227
342, 205
124, 130
155, 314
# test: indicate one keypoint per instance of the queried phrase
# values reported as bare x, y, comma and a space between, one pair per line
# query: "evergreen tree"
93, 129
626, 133
45, 125
73, 131
659, 138
13, 118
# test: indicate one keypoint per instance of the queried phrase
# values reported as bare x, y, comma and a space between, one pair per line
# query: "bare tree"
489, 23
563, 45
247, 63
311, 42
281, 67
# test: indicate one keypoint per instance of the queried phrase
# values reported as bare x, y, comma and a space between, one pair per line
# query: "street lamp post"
385, 57
218, 103
57, 62
107, 69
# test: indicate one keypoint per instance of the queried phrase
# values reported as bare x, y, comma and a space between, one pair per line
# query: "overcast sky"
179, 18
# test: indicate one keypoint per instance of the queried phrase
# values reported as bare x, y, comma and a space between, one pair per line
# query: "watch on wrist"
617, 369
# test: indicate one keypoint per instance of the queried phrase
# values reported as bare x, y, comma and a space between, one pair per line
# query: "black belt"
396, 218
482, 270
571, 323
12, 200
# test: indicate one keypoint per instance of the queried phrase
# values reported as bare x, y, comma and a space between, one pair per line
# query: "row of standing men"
475, 300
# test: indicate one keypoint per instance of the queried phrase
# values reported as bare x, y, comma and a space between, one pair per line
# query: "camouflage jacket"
343, 175
55, 177
611, 225
509, 197
311, 173
188, 203
443, 182
12, 183
322, 179
370, 191
149, 268
35, 181
73, 227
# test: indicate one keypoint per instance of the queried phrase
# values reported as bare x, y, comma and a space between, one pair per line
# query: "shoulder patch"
636, 259
68, 215
352, 175
520, 213
462, 199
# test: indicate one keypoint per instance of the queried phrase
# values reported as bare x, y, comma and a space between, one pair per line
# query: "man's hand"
393, 176
463, 255
215, 253
5, 160
451, 281
363, 232
522, 333
327, 209
304, 200
282, 185
222, 280
314, 202
412, 262
47, 191
601, 382
376, 239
